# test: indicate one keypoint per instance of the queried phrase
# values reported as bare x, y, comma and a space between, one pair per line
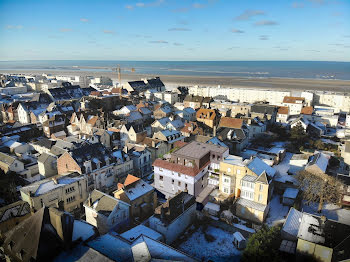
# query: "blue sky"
175, 30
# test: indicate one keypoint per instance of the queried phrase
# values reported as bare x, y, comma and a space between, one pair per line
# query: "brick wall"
67, 164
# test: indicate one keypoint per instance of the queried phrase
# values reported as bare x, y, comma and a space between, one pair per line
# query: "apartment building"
188, 168
295, 104
64, 192
102, 167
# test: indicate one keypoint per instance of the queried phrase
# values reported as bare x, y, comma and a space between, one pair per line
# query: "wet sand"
213, 81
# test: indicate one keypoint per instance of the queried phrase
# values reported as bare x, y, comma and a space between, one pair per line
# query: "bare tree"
320, 188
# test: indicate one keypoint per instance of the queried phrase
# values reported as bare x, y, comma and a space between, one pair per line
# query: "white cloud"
246, 15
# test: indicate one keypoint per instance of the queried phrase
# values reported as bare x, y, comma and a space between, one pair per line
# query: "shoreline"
212, 81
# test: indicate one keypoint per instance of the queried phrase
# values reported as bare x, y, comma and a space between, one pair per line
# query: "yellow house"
250, 182
232, 170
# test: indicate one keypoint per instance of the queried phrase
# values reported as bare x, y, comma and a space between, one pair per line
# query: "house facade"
105, 212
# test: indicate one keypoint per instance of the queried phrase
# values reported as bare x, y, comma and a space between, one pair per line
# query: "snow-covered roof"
321, 160
258, 167
310, 229
212, 206
233, 160
293, 220
189, 110
291, 193
83, 230
237, 235
137, 189
139, 230
216, 141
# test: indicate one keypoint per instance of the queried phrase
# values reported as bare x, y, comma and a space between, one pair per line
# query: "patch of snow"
277, 212
221, 249
82, 230
282, 170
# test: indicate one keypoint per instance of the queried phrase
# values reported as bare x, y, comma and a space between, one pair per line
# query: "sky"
158, 30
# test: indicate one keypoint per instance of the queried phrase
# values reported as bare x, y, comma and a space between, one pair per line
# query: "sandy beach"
213, 81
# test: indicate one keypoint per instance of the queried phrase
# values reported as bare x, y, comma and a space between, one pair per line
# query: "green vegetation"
263, 246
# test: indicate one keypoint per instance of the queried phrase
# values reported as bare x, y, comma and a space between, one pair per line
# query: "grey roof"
155, 82
264, 109
44, 142
197, 149
251, 204
249, 178
44, 156
16, 209
5, 158
102, 203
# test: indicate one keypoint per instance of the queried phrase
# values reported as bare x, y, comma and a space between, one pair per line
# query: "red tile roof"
307, 110
191, 171
283, 110
292, 99
180, 144
130, 179
231, 122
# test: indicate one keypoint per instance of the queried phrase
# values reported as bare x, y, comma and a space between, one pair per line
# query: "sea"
250, 69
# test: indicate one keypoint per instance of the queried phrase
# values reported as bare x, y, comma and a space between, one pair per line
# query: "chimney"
162, 212
54, 180
214, 130
90, 201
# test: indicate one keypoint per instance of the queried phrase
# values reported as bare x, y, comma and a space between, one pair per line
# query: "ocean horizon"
250, 69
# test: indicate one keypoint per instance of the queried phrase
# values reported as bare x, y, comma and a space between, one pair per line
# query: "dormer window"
11, 245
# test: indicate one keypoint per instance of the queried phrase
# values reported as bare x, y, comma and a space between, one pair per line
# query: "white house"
106, 212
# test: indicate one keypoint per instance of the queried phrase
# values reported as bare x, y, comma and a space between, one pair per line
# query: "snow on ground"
282, 169
221, 249
330, 211
277, 213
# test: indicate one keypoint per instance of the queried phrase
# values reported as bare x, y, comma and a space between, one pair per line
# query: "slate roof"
192, 98
102, 203
16, 209
258, 167
155, 82
45, 142
7, 159
251, 204
263, 109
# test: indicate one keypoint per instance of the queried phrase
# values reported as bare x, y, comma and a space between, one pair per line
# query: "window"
70, 189
248, 195
161, 178
229, 170
260, 198
238, 171
226, 190
70, 199
161, 169
178, 174
172, 181
261, 188
186, 185
179, 183
41, 202
226, 180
